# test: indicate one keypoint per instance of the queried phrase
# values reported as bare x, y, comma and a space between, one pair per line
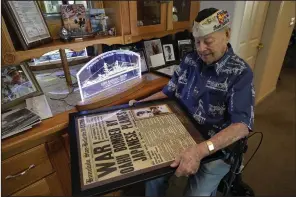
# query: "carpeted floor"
272, 170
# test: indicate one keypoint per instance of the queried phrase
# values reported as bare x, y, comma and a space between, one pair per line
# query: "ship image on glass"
108, 70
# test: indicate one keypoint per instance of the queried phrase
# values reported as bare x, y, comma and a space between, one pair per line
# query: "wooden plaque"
28, 23
121, 145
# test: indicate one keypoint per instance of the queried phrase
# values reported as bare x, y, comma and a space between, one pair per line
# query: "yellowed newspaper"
125, 141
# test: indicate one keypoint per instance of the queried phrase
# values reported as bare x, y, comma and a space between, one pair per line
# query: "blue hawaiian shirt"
215, 95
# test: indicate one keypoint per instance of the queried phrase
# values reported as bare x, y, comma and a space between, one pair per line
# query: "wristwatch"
210, 146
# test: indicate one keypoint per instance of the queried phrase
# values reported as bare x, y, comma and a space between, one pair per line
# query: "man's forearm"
158, 95
226, 137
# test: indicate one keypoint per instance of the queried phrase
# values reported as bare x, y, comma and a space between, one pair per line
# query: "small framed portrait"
154, 53
151, 111
144, 66
17, 84
168, 52
28, 22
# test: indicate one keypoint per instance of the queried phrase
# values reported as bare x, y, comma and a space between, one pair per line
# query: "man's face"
168, 49
16, 77
213, 46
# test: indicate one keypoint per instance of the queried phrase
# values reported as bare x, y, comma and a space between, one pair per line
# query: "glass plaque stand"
109, 77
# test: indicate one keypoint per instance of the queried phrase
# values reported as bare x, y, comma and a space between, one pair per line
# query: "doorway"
251, 30
275, 39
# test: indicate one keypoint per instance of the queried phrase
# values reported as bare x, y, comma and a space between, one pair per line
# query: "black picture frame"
175, 106
27, 75
153, 48
185, 47
18, 26
144, 68
169, 59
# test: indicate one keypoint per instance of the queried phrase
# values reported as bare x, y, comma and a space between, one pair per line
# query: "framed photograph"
185, 46
17, 84
121, 145
154, 53
74, 17
152, 111
28, 22
168, 50
144, 66
17, 121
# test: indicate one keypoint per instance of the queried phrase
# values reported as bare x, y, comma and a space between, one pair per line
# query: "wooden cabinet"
134, 21
48, 186
160, 16
37, 162
147, 17
11, 56
155, 19
181, 14
24, 169
30, 173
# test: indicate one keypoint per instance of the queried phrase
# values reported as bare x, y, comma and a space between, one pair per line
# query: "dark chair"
232, 183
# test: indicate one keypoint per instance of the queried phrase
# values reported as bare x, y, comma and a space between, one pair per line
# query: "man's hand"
132, 102
189, 160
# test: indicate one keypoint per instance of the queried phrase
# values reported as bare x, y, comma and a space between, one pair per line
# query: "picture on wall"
154, 53
18, 83
169, 52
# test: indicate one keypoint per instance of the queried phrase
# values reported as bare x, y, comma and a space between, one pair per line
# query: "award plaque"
121, 145
107, 71
28, 23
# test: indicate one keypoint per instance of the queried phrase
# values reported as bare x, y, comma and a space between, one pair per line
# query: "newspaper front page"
125, 141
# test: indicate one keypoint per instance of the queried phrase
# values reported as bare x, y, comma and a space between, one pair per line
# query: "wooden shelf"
17, 57
131, 39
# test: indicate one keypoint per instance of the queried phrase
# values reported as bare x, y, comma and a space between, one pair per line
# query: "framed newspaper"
121, 145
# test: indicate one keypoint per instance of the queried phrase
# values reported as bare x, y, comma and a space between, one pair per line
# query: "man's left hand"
189, 160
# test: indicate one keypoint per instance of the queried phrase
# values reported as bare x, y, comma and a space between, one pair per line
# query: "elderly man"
216, 87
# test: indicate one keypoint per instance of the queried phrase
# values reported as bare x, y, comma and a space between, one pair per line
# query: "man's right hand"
156, 96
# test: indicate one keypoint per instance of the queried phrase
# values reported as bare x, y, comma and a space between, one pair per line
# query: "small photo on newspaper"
152, 111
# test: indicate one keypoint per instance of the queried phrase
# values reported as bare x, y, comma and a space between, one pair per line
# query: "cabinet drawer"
40, 188
24, 169
49, 186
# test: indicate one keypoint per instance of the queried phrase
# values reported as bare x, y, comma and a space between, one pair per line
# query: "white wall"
236, 11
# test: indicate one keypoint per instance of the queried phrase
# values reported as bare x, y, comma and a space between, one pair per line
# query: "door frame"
237, 19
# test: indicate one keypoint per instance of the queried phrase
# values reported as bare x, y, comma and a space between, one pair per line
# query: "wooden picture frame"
31, 30
97, 163
13, 92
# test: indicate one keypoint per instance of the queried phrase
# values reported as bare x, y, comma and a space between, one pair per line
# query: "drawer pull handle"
21, 173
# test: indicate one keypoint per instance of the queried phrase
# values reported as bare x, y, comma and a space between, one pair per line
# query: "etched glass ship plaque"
108, 70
